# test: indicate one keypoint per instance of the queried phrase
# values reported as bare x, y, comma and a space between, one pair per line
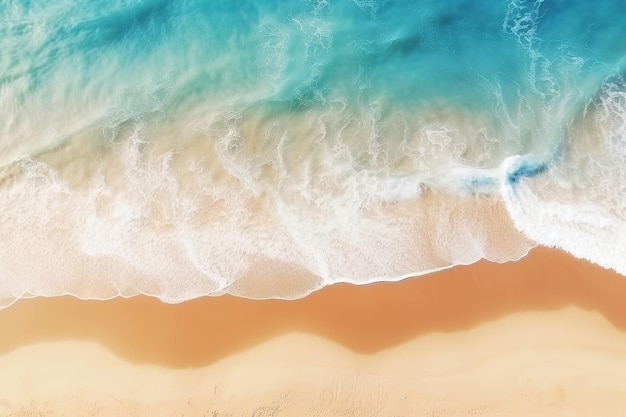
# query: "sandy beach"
543, 336
200, 201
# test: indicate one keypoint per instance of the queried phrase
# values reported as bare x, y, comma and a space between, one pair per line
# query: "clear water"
269, 148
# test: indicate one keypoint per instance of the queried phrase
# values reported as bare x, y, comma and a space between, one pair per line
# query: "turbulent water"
265, 148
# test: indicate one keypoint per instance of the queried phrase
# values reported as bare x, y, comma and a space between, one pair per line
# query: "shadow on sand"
365, 319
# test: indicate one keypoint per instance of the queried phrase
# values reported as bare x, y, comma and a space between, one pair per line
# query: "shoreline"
469, 322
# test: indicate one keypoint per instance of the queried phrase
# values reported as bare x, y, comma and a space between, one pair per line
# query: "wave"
184, 149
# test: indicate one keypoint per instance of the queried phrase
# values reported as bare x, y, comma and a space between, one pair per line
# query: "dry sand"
545, 336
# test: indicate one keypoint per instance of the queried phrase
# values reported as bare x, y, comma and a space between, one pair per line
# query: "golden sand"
542, 336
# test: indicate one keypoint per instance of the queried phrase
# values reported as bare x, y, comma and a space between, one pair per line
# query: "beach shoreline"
543, 335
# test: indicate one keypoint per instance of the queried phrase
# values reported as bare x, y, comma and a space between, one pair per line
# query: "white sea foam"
207, 213
137, 216
580, 204
234, 202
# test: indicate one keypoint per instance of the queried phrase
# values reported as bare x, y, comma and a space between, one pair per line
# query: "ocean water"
182, 148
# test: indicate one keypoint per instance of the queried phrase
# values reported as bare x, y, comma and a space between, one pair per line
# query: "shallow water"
267, 148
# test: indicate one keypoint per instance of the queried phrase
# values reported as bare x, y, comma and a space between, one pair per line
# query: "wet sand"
545, 335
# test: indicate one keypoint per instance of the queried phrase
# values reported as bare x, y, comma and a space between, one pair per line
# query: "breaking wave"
267, 149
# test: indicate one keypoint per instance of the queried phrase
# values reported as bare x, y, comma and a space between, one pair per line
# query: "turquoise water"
172, 147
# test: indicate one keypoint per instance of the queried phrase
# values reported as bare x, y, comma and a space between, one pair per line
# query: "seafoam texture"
269, 148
